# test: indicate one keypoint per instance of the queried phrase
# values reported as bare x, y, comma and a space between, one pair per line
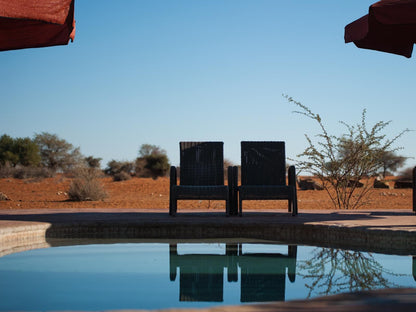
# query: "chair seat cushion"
200, 192
266, 192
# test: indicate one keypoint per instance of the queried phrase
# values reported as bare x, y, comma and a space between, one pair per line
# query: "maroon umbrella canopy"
36, 23
389, 26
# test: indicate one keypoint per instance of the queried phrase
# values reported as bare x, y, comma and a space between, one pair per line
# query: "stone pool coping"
386, 231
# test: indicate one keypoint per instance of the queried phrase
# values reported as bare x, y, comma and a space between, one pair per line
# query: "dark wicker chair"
201, 175
263, 174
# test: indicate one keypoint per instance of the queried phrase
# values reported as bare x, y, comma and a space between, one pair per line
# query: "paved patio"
368, 230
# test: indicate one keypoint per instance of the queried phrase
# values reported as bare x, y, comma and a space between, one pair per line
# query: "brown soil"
141, 193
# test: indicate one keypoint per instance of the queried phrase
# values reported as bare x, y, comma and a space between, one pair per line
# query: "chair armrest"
235, 176
173, 176
230, 176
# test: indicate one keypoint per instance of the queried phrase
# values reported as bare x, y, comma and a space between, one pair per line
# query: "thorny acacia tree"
331, 271
342, 162
56, 153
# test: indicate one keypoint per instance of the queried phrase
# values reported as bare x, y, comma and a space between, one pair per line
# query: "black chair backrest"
263, 163
201, 163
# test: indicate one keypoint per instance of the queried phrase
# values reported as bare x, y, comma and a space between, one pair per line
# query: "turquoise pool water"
189, 274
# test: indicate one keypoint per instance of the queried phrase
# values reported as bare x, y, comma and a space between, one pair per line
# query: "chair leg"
295, 203
227, 205
235, 191
172, 193
295, 207
240, 207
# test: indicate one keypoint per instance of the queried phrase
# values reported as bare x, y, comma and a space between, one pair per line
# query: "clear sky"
165, 71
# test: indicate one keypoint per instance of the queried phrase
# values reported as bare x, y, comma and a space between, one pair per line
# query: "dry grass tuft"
86, 186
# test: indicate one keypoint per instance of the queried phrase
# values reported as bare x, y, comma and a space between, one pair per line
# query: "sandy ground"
51, 193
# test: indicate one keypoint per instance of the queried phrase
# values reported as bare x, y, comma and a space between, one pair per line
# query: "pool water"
189, 274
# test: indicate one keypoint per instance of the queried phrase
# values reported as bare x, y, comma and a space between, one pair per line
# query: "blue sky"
164, 71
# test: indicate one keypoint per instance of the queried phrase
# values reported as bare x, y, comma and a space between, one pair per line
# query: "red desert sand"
146, 193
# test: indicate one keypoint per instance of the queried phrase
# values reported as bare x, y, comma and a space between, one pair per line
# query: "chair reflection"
263, 275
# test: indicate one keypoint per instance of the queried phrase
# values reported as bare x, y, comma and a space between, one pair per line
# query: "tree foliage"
57, 154
18, 151
152, 161
119, 170
157, 164
150, 149
93, 162
343, 162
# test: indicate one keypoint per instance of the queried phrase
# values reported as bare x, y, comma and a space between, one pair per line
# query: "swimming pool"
188, 274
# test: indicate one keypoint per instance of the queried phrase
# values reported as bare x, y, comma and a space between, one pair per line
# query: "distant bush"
158, 165
121, 176
140, 168
152, 162
86, 186
406, 174
22, 172
93, 162
32, 172
119, 170
6, 171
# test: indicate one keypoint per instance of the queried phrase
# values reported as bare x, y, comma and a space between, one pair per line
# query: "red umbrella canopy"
36, 23
389, 26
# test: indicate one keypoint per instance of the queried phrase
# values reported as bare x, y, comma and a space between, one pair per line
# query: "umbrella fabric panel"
21, 33
389, 27
52, 11
394, 11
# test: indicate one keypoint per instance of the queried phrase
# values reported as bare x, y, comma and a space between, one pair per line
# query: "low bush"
32, 172
21, 172
86, 186
121, 176
406, 174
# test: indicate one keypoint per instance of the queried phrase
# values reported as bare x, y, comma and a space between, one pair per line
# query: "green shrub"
158, 165
19, 151
152, 162
115, 166
119, 170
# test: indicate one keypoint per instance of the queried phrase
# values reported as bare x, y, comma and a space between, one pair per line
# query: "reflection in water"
414, 268
263, 275
128, 275
331, 271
